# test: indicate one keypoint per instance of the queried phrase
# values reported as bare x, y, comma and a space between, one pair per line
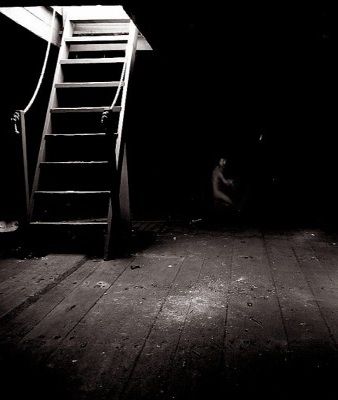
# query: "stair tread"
72, 192
73, 134
93, 60
88, 29
64, 85
71, 222
96, 39
98, 47
74, 162
87, 20
83, 109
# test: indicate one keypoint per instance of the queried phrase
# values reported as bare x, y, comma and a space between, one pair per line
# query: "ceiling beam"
36, 19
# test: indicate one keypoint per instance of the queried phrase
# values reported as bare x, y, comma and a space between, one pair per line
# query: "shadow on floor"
308, 373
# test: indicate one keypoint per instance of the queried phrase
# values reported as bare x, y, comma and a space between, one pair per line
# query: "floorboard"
196, 362
255, 341
35, 279
192, 314
131, 306
56, 327
15, 329
11, 267
164, 337
312, 356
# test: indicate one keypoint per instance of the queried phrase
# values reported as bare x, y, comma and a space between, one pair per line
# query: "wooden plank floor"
192, 314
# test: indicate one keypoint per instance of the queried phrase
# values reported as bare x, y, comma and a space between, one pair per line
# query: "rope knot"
15, 120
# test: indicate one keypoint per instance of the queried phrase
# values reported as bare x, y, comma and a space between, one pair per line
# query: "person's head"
222, 161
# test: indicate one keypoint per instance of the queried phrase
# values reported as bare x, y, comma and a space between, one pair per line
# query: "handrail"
43, 67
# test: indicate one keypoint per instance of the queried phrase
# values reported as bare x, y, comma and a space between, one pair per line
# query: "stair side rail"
118, 219
58, 77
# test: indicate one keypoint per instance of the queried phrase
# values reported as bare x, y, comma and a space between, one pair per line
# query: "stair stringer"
118, 228
58, 78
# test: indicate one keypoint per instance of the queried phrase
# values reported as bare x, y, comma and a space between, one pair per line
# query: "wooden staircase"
81, 177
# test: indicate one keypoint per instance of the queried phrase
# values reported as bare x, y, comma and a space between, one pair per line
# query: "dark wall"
21, 62
209, 92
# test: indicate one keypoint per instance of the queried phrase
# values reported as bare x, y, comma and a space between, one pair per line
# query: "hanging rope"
106, 117
119, 86
43, 67
120, 83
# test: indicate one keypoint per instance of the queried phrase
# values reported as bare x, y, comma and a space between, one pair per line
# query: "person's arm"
227, 182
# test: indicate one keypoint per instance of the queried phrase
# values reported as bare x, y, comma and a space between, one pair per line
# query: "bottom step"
66, 207
79, 236
69, 223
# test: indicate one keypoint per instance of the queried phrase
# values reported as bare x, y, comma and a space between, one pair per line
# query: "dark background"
216, 80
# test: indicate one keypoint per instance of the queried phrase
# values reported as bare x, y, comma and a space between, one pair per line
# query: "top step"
97, 13
114, 60
88, 29
96, 39
86, 20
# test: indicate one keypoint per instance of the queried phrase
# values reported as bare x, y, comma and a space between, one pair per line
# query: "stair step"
73, 134
91, 69
113, 60
96, 39
83, 109
66, 85
74, 162
71, 192
74, 176
79, 147
79, 96
75, 205
100, 20
69, 223
88, 28
73, 122
98, 47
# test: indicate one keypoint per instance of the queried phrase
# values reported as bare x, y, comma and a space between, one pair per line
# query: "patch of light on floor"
206, 300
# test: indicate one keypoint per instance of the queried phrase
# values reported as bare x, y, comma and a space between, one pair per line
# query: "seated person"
222, 189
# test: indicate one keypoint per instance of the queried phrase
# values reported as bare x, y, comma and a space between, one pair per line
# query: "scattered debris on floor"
194, 221
256, 321
102, 284
134, 266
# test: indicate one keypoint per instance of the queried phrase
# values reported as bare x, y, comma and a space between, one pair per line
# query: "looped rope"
106, 115
43, 67
119, 86
15, 120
